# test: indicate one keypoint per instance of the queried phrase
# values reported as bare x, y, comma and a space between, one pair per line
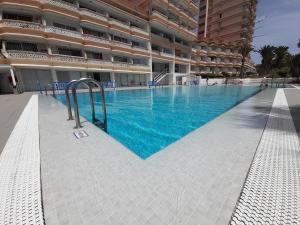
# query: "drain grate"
271, 194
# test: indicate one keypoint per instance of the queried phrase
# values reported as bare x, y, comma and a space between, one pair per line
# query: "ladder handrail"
88, 82
53, 89
67, 88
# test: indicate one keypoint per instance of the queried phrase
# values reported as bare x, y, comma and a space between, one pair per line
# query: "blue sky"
280, 25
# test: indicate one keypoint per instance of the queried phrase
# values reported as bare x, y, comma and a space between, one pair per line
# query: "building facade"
129, 42
229, 21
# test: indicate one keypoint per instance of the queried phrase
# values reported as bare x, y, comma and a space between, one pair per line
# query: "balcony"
139, 48
182, 59
99, 64
93, 17
184, 14
67, 58
21, 27
167, 22
62, 4
166, 54
63, 34
27, 58
94, 41
119, 25
120, 47
121, 44
139, 30
27, 55
162, 55
140, 67
61, 7
123, 66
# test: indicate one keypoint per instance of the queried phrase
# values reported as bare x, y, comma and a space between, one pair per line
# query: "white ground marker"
271, 194
20, 188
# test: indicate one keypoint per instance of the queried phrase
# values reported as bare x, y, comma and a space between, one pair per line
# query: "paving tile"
20, 188
271, 194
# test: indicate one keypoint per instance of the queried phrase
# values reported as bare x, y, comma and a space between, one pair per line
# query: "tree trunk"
242, 67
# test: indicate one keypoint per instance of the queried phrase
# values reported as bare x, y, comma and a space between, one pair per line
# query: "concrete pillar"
12, 74
4, 46
81, 30
44, 22
54, 75
84, 54
112, 76
49, 50
151, 72
1, 15
172, 79
148, 29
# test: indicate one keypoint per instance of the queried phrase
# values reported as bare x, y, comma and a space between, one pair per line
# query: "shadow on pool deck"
293, 98
12, 106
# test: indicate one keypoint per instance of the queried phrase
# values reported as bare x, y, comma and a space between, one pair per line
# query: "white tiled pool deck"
197, 180
20, 187
271, 194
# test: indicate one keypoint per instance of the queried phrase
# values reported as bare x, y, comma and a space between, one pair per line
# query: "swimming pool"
148, 120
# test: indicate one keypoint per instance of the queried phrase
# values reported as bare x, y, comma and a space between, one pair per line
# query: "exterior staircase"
160, 76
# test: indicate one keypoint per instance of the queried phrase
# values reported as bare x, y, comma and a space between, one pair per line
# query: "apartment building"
129, 42
229, 21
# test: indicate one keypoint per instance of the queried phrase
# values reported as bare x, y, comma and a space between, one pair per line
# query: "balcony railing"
182, 58
96, 15
95, 39
62, 4
140, 66
57, 30
139, 30
22, 24
173, 22
99, 61
119, 23
122, 64
27, 55
139, 48
68, 58
121, 44
166, 54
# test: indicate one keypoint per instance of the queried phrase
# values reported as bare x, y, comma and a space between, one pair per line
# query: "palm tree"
246, 47
299, 44
245, 51
295, 66
267, 54
281, 54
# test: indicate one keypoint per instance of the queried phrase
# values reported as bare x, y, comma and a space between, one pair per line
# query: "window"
94, 33
71, 52
120, 59
119, 39
22, 46
17, 17
94, 55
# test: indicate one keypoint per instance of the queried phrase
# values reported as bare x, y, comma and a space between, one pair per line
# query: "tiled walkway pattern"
20, 196
271, 194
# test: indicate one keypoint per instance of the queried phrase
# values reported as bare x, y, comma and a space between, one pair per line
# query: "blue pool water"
146, 121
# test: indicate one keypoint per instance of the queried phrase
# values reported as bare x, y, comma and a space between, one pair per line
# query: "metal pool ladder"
88, 82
